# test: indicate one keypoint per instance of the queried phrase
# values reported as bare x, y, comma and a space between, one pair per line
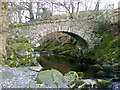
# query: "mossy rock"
116, 65
116, 79
81, 74
53, 78
76, 83
20, 54
101, 73
103, 83
96, 66
71, 76
87, 83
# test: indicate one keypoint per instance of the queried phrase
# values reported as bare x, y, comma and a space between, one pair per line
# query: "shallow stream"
65, 64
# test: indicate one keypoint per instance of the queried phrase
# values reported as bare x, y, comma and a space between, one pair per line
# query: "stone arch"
82, 43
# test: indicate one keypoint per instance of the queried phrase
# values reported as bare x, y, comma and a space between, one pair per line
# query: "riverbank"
21, 77
25, 77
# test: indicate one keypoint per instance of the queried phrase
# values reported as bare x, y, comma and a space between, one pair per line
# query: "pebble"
22, 78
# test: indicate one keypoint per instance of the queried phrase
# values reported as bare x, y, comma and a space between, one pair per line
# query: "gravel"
21, 77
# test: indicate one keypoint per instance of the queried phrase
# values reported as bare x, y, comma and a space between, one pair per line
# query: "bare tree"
14, 12
19, 12
30, 11
38, 9
28, 6
97, 5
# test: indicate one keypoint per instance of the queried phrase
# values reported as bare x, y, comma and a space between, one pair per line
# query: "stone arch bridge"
81, 29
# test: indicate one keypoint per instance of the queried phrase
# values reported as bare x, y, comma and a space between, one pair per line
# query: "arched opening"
60, 51
82, 42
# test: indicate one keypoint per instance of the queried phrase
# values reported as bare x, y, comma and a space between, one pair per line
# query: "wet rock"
81, 74
89, 82
101, 73
107, 67
103, 83
83, 84
96, 67
36, 68
116, 79
76, 84
116, 65
71, 76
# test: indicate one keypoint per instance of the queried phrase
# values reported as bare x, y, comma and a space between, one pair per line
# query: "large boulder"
52, 78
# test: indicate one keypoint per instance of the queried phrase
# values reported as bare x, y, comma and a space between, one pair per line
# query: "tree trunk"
3, 27
97, 5
19, 14
38, 10
31, 15
3, 43
52, 7
31, 12
72, 8
77, 12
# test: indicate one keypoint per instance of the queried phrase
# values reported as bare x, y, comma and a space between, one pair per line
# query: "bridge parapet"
41, 30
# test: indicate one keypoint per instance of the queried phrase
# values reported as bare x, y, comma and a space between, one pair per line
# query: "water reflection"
64, 63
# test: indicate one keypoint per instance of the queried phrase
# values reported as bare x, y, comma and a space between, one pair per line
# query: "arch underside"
81, 42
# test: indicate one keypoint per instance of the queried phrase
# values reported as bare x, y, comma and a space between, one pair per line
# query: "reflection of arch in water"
62, 63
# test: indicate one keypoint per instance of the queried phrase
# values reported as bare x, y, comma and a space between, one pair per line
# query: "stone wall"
80, 28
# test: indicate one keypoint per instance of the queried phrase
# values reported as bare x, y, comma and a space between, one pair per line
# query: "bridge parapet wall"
82, 29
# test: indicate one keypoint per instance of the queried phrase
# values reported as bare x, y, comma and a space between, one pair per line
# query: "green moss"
103, 83
19, 54
107, 51
51, 77
81, 74
57, 47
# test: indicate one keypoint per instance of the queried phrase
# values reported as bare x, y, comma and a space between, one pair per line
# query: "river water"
65, 64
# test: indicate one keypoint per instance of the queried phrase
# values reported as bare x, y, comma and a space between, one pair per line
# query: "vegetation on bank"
59, 43
72, 79
107, 51
19, 52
